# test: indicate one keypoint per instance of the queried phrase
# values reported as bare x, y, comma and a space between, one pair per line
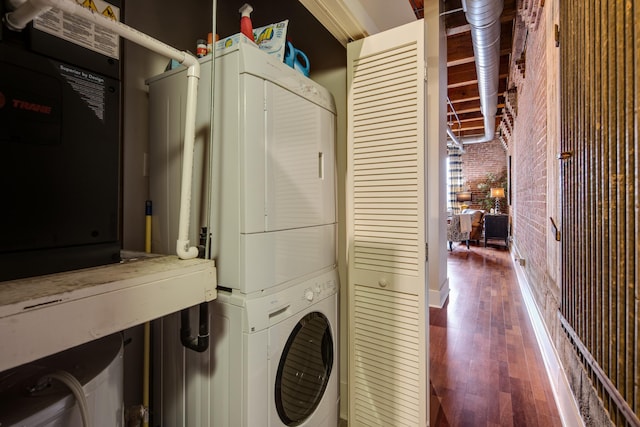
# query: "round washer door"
304, 369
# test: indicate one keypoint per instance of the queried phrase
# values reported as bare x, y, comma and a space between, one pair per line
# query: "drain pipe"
30, 9
199, 343
484, 18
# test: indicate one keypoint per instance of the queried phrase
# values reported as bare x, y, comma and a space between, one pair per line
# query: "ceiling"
461, 72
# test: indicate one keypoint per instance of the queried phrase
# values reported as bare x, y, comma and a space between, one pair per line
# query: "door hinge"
425, 72
426, 252
555, 229
557, 35
565, 155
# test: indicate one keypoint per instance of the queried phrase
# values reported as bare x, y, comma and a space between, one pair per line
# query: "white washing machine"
275, 356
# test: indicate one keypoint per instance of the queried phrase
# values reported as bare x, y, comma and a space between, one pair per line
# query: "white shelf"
43, 315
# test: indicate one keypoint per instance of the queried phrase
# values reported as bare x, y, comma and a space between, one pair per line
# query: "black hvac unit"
59, 156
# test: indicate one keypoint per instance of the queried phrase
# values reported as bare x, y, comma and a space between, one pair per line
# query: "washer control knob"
308, 294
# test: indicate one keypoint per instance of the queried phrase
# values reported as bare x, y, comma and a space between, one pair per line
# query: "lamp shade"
463, 196
497, 192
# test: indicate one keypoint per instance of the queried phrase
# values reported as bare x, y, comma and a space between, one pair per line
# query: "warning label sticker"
81, 31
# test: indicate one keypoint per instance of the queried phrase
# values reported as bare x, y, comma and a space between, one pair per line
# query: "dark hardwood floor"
486, 368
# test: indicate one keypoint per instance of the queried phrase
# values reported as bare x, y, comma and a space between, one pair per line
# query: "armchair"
455, 231
477, 224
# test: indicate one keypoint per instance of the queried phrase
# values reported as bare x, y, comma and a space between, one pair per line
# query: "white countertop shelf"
43, 315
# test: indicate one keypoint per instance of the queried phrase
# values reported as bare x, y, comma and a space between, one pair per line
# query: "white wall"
436, 46
179, 27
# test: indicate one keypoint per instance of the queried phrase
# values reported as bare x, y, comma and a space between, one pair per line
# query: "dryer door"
300, 162
304, 369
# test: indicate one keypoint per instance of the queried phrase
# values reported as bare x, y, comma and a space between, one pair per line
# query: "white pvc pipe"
26, 12
183, 249
30, 9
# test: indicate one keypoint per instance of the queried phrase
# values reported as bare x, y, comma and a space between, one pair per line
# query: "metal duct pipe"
484, 18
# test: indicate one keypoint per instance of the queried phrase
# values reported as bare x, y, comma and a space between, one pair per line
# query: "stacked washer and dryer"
265, 209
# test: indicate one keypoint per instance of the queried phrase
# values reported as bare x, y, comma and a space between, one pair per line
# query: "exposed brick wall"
477, 161
530, 159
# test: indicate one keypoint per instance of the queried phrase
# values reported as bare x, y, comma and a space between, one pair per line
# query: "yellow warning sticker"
108, 12
89, 4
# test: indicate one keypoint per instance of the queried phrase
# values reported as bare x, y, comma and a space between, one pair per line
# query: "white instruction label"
89, 86
81, 31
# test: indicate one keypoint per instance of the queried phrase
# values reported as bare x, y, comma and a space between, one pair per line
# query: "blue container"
296, 59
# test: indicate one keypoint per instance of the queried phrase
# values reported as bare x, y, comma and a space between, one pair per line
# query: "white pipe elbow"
25, 13
192, 64
184, 251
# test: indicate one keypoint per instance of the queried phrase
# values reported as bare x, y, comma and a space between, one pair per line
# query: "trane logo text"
30, 106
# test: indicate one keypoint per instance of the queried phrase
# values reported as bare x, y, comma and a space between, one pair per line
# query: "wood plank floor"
486, 368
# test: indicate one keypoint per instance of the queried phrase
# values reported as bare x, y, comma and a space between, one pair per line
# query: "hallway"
485, 365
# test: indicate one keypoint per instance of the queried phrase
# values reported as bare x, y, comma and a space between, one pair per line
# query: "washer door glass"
304, 369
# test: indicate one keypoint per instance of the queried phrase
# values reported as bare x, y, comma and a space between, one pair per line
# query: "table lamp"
497, 193
464, 197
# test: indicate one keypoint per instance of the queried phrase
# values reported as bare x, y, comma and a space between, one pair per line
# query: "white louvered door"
388, 317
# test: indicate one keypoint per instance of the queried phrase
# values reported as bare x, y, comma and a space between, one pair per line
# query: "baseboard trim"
344, 402
438, 297
567, 405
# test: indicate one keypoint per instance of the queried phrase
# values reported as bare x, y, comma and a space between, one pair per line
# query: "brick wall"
530, 158
477, 161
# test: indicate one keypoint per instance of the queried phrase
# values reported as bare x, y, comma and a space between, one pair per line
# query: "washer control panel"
261, 311
320, 288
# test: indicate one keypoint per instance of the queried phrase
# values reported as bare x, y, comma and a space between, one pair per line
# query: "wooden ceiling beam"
465, 107
468, 134
464, 117
470, 120
477, 123
470, 131
465, 74
462, 74
469, 107
471, 92
477, 126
